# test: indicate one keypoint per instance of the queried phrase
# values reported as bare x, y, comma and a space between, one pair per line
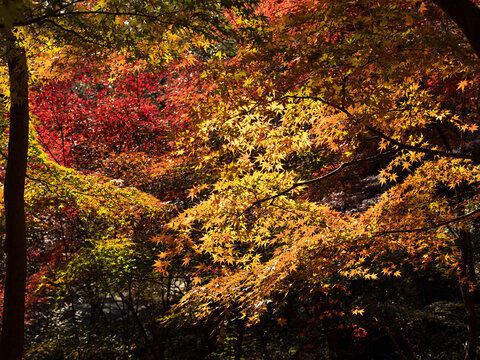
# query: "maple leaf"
473, 128
462, 84
186, 261
358, 311
423, 8
393, 177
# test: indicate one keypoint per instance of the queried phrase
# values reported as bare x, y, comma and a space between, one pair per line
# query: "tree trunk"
467, 295
467, 16
11, 342
239, 342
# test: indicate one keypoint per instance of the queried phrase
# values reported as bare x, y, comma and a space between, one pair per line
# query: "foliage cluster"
299, 182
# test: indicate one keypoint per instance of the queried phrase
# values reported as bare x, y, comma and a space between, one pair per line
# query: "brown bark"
11, 342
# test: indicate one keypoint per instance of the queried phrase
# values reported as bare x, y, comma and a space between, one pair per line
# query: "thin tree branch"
75, 33
93, 12
397, 143
323, 177
428, 228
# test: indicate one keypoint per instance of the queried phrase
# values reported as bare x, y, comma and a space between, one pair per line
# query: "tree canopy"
290, 179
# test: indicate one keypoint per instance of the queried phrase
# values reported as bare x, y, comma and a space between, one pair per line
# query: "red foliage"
85, 119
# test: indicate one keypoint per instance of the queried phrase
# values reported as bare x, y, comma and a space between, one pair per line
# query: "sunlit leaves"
259, 120
330, 82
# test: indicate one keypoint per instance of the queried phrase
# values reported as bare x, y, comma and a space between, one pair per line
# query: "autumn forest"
239, 180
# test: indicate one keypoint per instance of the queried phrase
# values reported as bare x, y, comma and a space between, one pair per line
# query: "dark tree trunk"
239, 343
11, 342
467, 16
464, 243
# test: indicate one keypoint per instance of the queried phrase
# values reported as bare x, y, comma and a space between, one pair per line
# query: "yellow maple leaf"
406, 165
358, 311
386, 271
393, 177
371, 276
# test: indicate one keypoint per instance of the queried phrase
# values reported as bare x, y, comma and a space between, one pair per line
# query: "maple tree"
333, 86
123, 115
296, 176
87, 27
106, 241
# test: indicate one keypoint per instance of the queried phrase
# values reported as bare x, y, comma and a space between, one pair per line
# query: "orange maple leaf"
423, 8
462, 84
473, 127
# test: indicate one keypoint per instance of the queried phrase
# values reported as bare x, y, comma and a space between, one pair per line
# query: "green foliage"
79, 341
